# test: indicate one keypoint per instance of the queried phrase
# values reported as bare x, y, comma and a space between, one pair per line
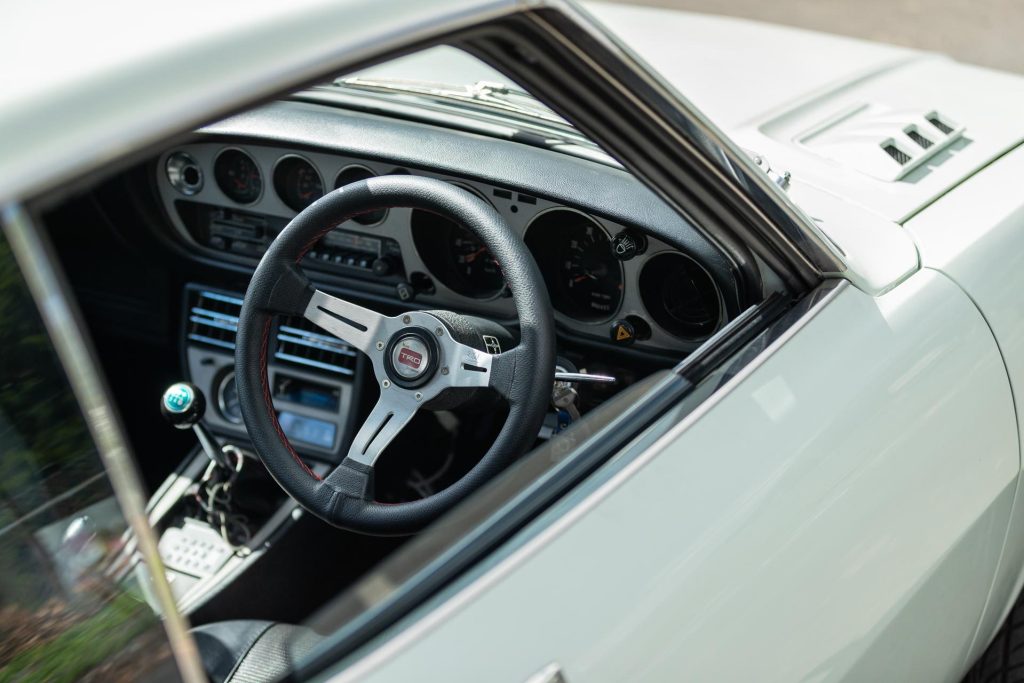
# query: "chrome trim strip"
289, 329
220, 297
314, 363
210, 340
213, 322
336, 347
75, 352
214, 314
781, 218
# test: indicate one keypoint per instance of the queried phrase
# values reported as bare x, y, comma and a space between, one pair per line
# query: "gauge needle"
585, 276
472, 257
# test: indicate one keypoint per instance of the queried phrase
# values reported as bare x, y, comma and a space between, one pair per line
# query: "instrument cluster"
605, 280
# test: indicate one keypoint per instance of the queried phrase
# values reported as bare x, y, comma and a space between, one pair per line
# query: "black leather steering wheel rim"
522, 375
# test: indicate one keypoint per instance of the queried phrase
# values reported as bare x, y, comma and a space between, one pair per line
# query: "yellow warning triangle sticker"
622, 333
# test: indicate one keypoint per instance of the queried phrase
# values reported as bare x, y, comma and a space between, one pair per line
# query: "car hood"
884, 128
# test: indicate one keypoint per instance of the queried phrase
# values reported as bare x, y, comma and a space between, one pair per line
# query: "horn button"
411, 357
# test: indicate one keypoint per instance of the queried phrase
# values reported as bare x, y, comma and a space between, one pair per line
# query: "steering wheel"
422, 360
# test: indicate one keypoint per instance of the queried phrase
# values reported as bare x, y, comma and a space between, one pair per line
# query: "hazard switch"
622, 332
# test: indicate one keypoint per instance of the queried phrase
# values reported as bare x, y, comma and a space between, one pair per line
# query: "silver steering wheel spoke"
392, 412
357, 326
466, 367
414, 357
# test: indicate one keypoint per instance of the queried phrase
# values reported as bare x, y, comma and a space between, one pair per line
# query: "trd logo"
410, 358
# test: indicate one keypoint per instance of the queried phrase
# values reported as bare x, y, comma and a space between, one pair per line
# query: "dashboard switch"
382, 267
622, 332
405, 291
628, 244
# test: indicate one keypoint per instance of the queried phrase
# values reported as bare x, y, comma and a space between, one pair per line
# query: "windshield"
452, 77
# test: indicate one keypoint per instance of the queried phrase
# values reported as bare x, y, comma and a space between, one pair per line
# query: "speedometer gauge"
238, 176
574, 254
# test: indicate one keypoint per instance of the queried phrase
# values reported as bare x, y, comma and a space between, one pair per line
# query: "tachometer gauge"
238, 176
574, 254
297, 183
455, 256
473, 262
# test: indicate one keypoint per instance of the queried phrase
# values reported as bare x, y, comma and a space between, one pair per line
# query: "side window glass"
71, 606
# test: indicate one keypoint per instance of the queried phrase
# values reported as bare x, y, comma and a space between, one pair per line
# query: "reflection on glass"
71, 607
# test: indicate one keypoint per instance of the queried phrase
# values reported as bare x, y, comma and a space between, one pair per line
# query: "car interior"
160, 256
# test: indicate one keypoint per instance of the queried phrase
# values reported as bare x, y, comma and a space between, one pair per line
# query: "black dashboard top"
251, 173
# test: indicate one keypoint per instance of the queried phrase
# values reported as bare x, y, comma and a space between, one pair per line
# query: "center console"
313, 382
311, 375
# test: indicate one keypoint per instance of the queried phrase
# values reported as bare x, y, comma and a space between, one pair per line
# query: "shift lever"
183, 405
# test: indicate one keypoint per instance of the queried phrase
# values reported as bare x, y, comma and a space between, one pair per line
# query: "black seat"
249, 651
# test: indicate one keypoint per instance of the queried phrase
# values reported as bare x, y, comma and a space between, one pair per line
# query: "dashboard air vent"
301, 342
213, 318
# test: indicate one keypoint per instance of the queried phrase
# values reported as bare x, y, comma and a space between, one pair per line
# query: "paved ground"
986, 32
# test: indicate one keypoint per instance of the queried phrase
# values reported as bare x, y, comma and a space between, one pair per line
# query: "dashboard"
610, 281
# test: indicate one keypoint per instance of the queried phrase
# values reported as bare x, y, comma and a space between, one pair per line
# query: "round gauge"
238, 176
227, 399
456, 256
680, 296
473, 262
354, 174
297, 183
575, 256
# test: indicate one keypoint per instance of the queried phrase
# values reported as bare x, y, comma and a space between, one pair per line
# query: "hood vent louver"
882, 142
213, 318
896, 153
940, 124
303, 343
922, 141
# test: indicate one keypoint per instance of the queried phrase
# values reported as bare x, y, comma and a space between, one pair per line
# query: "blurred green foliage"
62, 614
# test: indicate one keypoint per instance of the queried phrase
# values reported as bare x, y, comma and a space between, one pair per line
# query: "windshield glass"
453, 77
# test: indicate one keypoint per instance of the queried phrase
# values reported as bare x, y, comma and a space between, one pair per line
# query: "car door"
835, 511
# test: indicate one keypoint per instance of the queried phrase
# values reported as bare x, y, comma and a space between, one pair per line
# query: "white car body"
844, 509
841, 534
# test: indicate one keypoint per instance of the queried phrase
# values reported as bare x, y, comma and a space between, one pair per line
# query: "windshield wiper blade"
491, 94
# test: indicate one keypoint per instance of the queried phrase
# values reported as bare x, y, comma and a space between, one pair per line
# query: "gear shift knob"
183, 405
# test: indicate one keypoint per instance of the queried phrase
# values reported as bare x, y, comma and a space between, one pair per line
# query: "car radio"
249, 234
